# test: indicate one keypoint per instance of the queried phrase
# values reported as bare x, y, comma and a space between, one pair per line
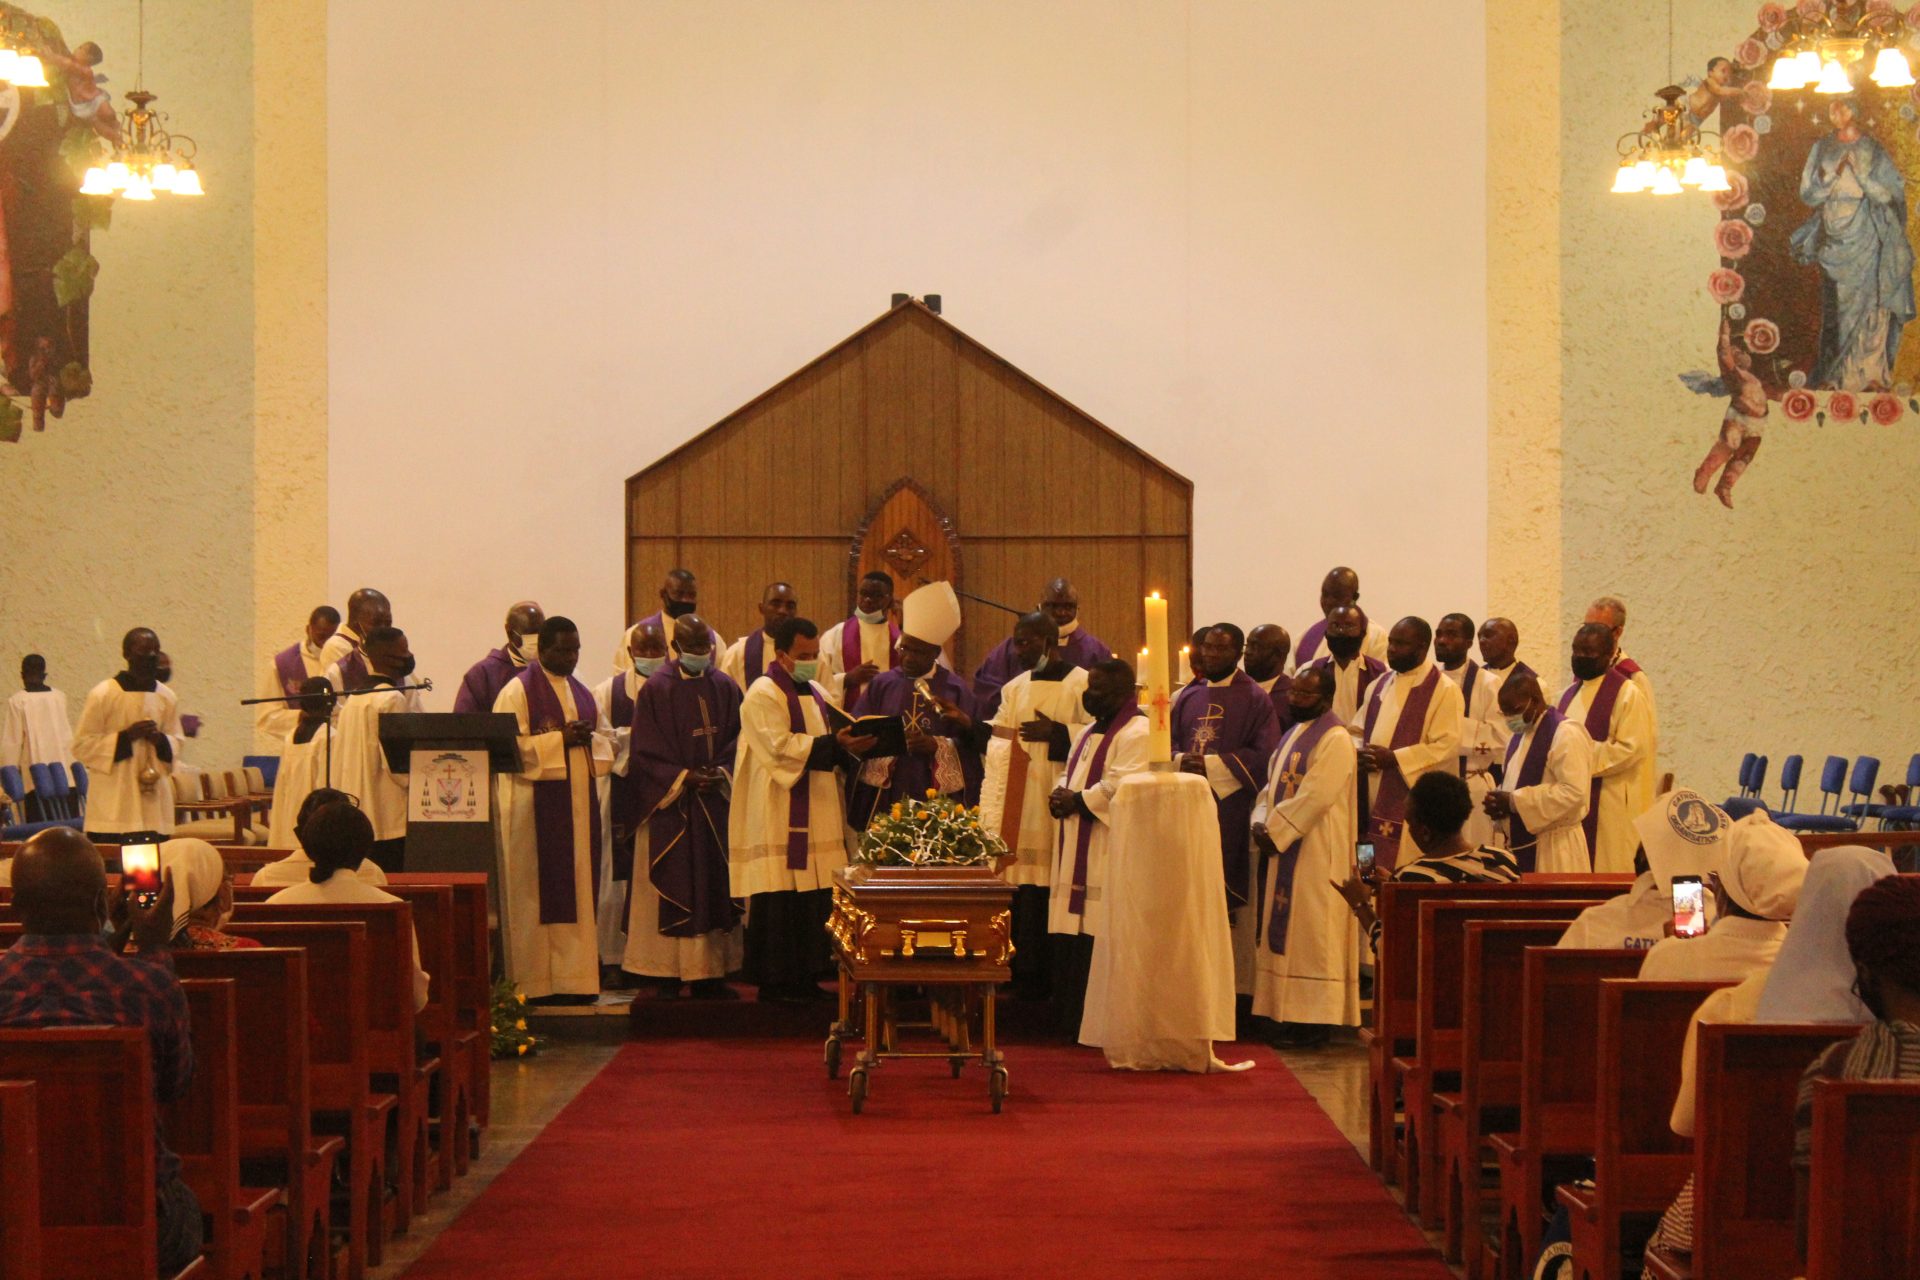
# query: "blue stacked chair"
80, 783
15, 791
1753, 776
1746, 777
1833, 776
1866, 771
1908, 814
57, 805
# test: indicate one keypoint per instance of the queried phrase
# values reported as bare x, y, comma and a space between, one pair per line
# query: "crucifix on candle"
1153, 676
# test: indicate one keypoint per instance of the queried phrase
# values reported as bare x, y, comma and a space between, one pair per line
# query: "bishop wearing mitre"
942, 745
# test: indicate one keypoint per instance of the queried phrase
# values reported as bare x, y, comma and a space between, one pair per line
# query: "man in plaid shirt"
64, 972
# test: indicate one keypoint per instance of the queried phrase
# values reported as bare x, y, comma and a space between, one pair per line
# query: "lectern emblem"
449, 786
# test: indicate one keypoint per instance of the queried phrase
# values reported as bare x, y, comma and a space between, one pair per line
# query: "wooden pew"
203, 1129
1863, 1214
1559, 1076
1639, 1163
19, 1181
276, 1101
1488, 1100
1439, 1016
1396, 970
95, 1111
337, 1065
472, 981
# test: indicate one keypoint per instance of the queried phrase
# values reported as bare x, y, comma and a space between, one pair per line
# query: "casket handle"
942, 934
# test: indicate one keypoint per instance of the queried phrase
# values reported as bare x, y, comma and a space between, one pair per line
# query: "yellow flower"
897, 811
517, 996
521, 1050
520, 1025
932, 793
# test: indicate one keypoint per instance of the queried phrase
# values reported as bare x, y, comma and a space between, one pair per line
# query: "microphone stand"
425, 686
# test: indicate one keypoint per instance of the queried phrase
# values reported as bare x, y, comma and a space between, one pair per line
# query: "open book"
891, 731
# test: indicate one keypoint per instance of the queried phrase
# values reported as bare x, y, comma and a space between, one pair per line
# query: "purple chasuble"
1308, 649
800, 794
683, 722
1096, 770
1627, 667
1081, 649
1236, 722
290, 669
892, 693
1389, 808
484, 681
1294, 754
1598, 725
1282, 711
1521, 842
620, 796
553, 801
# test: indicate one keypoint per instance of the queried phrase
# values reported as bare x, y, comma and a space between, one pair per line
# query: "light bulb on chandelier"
146, 158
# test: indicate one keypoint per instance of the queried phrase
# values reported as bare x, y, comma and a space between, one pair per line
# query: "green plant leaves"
10, 420
73, 276
92, 213
76, 380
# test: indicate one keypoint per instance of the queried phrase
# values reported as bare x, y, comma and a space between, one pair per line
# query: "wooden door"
909, 537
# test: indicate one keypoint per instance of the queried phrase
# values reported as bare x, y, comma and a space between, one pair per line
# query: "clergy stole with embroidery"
1598, 726
1234, 722
1291, 766
553, 801
800, 794
1096, 770
680, 723
1388, 812
1522, 843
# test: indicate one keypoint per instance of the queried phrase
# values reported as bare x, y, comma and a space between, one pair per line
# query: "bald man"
342, 659
1265, 663
1353, 672
1340, 588
1074, 644
1611, 612
128, 737
680, 596
486, 678
1547, 777
747, 658
1411, 727
1616, 716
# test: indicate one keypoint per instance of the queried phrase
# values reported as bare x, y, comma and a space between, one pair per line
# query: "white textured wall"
559, 249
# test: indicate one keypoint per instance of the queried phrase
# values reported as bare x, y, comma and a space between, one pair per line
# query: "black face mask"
1589, 668
676, 608
405, 669
1345, 648
1100, 711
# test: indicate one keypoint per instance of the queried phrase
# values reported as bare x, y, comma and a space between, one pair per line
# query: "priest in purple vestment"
1077, 646
944, 737
680, 596
486, 678
1225, 729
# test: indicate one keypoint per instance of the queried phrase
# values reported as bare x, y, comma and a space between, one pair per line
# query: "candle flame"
1154, 596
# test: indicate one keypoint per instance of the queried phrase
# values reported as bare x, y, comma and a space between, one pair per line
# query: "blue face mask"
1518, 724
806, 672
695, 663
647, 666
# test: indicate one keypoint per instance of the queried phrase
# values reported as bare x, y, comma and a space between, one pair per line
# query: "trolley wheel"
857, 1088
997, 1088
833, 1057
957, 1063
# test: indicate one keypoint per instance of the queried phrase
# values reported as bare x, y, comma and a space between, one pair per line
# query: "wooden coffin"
922, 924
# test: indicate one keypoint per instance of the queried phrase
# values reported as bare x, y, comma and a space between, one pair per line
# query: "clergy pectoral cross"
917, 719
708, 730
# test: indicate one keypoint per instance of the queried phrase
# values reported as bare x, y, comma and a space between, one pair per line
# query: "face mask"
871, 619
647, 666
806, 672
1517, 723
677, 608
1589, 668
1345, 648
1100, 711
405, 668
529, 644
695, 663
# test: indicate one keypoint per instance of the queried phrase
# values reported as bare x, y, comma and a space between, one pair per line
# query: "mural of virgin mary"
1858, 238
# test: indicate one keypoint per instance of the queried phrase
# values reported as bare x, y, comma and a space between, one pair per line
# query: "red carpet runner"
740, 1158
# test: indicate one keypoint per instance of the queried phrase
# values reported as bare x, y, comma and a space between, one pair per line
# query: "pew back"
337, 1055
19, 1181
270, 1017
388, 1006
1864, 1205
1559, 1045
1639, 1162
1494, 988
1439, 989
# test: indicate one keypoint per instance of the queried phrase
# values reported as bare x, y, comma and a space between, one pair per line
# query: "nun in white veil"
1812, 978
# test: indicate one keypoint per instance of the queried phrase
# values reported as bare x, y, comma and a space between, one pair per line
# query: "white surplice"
360, 765
1347, 694
1619, 761
1483, 743
770, 762
303, 770
35, 729
1022, 699
1554, 807
273, 721
116, 802
562, 958
1650, 767
611, 924
1438, 745
1313, 973
1128, 756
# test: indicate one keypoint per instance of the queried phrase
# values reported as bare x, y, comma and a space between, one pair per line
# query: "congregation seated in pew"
202, 896
296, 866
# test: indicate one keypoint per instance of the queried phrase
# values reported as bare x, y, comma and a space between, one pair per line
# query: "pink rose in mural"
1756, 99
1772, 17
1798, 404
1913, 16
1810, 10
1751, 53
1762, 336
1885, 410
1735, 196
1841, 405
1726, 286
1733, 237
1740, 143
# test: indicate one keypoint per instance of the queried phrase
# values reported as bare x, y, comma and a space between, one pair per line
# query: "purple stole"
553, 802
681, 723
754, 656
1524, 845
354, 670
1468, 678
620, 794
1293, 769
1389, 806
1627, 667
1371, 669
800, 795
1244, 738
1599, 720
292, 670
1096, 770
1309, 646
850, 656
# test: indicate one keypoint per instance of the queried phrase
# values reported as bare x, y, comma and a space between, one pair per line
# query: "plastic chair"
1905, 815
1753, 776
16, 793
81, 782
1833, 776
1866, 771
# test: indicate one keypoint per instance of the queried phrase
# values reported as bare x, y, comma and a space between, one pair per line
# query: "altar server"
942, 748
549, 825
1411, 726
34, 729
1615, 715
1353, 671
746, 660
128, 736
342, 657
643, 651
1340, 589
686, 735
856, 650
1307, 958
359, 761
786, 825
306, 759
286, 671
1106, 751
1074, 643
1548, 775
486, 678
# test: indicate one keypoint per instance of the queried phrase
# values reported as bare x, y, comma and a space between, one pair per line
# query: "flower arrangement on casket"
934, 832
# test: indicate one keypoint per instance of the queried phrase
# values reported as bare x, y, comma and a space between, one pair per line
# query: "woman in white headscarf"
202, 896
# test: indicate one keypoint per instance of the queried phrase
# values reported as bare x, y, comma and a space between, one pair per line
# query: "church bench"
1492, 978
435, 922
94, 1099
1559, 1073
472, 976
19, 1181
393, 1057
338, 1075
1439, 1015
203, 1129
1864, 1184
1395, 974
1639, 1163
275, 1095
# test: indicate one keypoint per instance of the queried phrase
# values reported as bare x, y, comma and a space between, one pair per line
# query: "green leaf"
73, 276
79, 147
76, 380
92, 213
10, 420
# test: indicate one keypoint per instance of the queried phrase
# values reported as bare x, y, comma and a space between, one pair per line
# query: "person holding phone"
1755, 893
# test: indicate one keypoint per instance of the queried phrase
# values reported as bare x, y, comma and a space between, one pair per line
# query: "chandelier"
148, 159
1828, 44
1669, 153
19, 65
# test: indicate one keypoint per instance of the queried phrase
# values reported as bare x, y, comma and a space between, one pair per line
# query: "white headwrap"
1765, 867
198, 872
1812, 978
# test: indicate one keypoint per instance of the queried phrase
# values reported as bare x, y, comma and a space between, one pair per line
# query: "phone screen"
1689, 907
1363, 857
140, 872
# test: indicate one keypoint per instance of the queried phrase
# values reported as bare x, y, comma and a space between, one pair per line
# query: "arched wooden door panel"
907, 536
